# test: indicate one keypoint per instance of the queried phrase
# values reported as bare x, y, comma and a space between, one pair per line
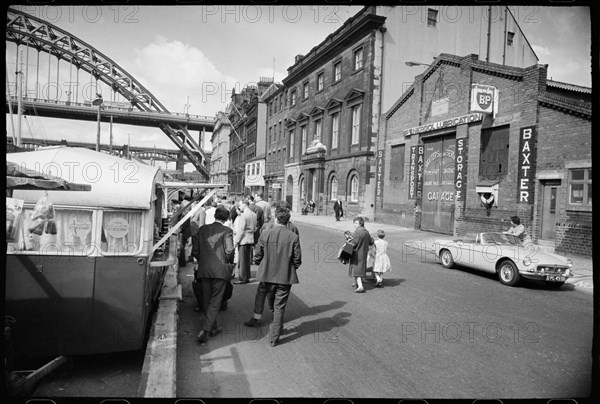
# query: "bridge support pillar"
180, 162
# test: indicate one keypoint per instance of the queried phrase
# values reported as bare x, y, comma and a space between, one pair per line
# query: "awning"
18, 177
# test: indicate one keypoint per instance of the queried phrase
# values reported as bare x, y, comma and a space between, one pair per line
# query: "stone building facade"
471, 144
219, 163
276, 152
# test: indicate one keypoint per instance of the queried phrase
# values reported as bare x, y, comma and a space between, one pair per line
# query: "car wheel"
554, 285
508, 273
446, 258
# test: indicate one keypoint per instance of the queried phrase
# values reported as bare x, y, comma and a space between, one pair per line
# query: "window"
358, 59
275, 105
580, 187
335, 130
302, 189
121, 232
432, 17
334, 187
397, 163
293, 98
73, 234
281, 102
283, 156
303, 133
354, 188
356, 123
305, 90
510, 36
320, 82
318, 128
270, 135
337, 71
292, 144
494, 152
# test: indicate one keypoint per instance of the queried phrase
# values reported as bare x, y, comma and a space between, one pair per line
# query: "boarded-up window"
397, 163
494, 152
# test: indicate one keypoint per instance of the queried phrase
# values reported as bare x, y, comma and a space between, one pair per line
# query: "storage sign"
460, 168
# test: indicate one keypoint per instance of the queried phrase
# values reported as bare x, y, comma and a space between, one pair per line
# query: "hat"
515, 219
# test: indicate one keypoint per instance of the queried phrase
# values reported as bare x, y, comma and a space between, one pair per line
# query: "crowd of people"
227, 237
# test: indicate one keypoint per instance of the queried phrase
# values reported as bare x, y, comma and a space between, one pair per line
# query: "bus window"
121, 232
73, 233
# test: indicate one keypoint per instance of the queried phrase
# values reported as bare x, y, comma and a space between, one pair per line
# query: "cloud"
173, 71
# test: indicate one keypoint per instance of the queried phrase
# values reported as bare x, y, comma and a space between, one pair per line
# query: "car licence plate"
555, 278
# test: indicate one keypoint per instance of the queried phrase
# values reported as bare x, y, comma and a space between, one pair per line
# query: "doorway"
549, 208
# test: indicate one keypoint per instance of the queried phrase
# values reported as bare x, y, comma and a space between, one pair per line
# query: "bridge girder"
24, 29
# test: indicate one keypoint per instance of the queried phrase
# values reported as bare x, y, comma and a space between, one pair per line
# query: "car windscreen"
500, 238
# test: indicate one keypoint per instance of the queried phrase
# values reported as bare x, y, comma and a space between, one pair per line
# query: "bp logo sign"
484, 99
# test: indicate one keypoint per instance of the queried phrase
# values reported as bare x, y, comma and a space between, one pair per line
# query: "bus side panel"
119, 306
50, 298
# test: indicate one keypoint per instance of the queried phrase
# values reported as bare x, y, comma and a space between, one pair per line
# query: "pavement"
418, 241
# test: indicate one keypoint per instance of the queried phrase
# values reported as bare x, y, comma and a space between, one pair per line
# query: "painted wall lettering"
379, 178
527, 163
460, 168
415, 178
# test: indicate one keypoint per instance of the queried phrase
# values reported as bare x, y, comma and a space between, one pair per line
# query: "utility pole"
19, 97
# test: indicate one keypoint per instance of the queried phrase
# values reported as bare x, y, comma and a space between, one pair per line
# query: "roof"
115, 182
23, 178
567, 86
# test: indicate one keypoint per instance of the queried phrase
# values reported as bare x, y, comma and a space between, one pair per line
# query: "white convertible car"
503, 254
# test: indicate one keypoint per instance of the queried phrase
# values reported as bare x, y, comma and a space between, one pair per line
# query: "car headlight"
526, 261
569, 262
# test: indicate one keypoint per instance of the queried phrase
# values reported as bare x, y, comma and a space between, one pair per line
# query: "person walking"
260, 217
278, 257
213, 248
382, 261
245, 226
266, 208
338, 209
261, 290
361, 239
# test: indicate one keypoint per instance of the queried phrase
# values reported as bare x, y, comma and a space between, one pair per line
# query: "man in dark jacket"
213, 248
279, 256
339, 210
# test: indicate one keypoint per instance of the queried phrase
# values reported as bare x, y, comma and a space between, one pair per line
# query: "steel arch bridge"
26, 30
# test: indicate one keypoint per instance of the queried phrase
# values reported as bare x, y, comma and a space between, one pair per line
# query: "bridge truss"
26, 30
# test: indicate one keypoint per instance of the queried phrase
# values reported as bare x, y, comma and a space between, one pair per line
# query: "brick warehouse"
471, 143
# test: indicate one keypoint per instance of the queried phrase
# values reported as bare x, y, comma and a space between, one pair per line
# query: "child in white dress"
382, 261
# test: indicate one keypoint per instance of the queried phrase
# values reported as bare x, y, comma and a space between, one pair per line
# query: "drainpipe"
382, 30
489, 34
505, 33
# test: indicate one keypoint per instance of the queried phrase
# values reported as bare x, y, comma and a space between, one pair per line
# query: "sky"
191, 57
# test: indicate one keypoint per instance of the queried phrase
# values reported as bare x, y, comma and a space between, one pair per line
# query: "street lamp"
98, 102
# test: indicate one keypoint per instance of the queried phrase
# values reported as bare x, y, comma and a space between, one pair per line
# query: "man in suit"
213, 248
245, 226
339, 210
278, 256
266, 208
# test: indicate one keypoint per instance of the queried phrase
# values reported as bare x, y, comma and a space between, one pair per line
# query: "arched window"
333, 186
354, 188
302, 189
